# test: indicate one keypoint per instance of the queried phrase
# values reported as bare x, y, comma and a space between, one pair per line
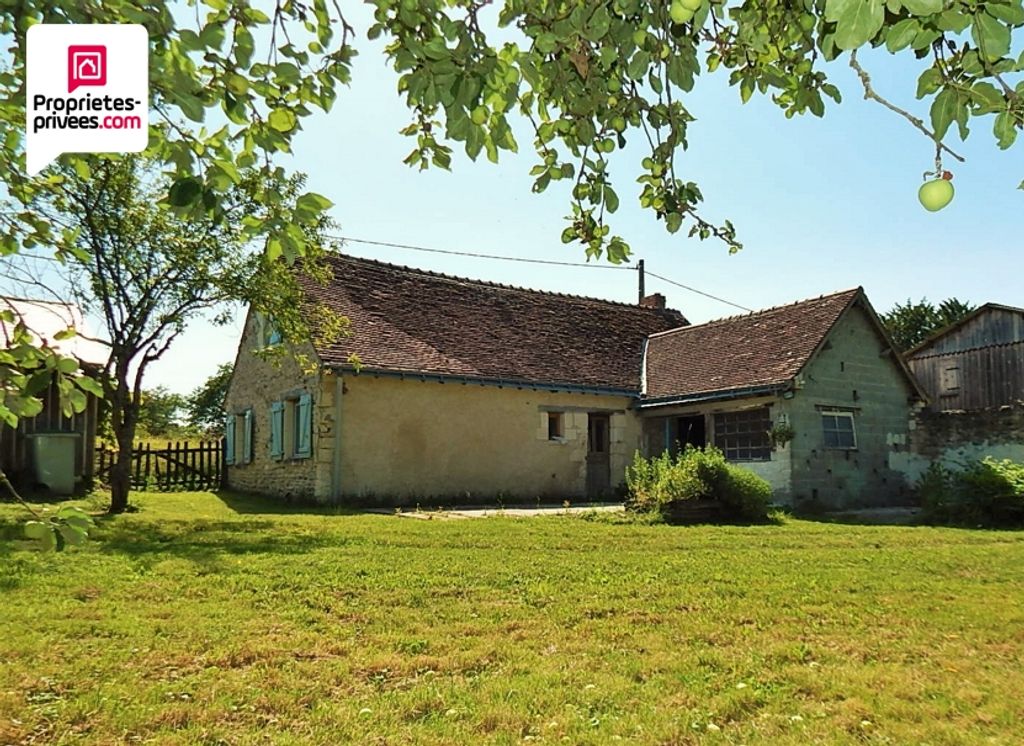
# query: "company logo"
111, 115
87, 65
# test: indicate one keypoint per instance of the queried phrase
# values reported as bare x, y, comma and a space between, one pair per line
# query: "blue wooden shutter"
277, 430
229, 439
304, 427
247, 438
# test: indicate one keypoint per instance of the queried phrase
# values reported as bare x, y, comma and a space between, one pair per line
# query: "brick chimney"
656, 301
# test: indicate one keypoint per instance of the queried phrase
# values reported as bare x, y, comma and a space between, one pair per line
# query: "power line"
698, 292
536, 261
480, 256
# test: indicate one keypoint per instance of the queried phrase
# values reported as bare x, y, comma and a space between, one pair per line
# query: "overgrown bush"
661, 482
986, 492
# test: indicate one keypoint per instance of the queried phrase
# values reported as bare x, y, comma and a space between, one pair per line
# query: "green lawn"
209, 620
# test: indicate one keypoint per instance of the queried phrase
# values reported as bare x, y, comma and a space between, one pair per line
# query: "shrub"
661, 482
986, 492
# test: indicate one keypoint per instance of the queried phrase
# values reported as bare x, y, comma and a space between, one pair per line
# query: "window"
291, 428
238, 438
949, 380
838, 429
556, 426
743, 436
267, 332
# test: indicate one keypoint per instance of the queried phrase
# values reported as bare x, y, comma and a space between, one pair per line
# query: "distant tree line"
911, 323
164, 414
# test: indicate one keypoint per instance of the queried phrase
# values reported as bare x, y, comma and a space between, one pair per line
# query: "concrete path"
487, 512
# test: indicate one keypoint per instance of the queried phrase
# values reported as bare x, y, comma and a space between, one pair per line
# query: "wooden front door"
598, 461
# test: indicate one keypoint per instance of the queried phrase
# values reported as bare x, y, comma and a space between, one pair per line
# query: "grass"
206, 619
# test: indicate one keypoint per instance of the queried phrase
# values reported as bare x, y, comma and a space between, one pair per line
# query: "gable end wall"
851, 361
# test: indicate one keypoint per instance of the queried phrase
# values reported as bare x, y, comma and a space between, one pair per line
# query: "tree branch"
870, 93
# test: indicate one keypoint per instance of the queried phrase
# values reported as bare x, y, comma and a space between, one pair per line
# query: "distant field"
233, 621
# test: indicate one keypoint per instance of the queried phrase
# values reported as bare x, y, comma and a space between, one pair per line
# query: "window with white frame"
839, 430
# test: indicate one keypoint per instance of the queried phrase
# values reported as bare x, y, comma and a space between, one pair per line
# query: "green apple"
693, 5
619, 124
479, 115
679, 12
935, 194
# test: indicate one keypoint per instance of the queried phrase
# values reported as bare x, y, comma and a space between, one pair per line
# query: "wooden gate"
179, 467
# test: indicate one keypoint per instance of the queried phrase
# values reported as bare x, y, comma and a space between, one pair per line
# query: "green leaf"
857, 21
1005, 130
923, 7
185, 192
929, 82
37, 529
987, 98
313, 202
902, 34
282, 120
73, 535
943, 112
991, 36
1013, 14
67, 365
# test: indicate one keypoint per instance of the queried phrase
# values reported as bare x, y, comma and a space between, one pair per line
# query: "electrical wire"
698, 292
524, 260
479, 256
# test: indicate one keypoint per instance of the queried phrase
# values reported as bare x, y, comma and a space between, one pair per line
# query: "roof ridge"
758, 312
489, 283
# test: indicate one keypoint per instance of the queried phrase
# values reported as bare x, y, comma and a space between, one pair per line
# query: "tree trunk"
123, 416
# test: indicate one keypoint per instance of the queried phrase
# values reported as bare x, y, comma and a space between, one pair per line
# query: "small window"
238, 438
949, 380
743, 436
556, 426
291, 422
839, 431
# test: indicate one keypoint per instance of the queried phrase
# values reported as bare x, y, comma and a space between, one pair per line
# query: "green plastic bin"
53, 456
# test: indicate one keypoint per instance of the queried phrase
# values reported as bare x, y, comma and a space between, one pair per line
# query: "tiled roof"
411, 320
759, 349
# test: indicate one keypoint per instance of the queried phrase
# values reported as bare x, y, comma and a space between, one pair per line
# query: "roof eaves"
708, 396
487, 381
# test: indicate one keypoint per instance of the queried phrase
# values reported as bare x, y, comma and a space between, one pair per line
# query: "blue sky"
820, 204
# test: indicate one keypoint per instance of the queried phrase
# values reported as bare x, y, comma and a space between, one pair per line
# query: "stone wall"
255, 384
952, 438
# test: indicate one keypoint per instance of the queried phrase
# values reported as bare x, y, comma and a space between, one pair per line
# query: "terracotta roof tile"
411, 320
759, 349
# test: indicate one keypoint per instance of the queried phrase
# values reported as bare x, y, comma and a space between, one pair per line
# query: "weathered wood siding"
977, 365
15, 453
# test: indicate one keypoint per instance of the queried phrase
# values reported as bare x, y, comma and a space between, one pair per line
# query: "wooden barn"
977, 363
45, 319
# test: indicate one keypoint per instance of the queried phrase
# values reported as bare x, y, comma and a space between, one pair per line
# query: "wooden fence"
176, 468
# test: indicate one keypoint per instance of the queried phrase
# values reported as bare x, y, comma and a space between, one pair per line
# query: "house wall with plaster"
404, 441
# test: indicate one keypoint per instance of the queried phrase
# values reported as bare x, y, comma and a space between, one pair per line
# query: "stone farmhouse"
469, 390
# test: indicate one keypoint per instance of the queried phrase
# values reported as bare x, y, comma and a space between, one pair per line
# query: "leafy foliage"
911, 323
148, 271
160, 410
206, 403
655, 484
988, 492
69, 526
